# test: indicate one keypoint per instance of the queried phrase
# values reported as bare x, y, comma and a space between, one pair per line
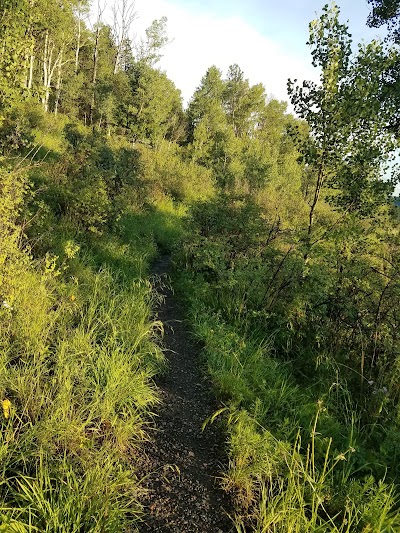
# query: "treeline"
91, 74
286, 241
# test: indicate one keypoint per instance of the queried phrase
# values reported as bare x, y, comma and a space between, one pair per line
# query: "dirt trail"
182, 462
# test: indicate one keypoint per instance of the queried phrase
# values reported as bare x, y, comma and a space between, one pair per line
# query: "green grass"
160, 226
80, 402
79, 349
78, 353
292, 466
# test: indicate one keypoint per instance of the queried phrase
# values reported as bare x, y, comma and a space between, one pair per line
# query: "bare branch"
123, 16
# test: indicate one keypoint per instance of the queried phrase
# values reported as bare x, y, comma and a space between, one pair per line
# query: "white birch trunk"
45, 66
78, 43
31, 65
94, 77
59, 80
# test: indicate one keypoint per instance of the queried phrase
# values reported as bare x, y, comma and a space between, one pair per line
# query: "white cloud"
201, 40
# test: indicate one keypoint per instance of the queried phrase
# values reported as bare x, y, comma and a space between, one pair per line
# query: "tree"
99, 26
123, 16
212, 139
205, 112
388, 12
81, 9
148, 51
348, 141
14, 21
243, 104
155, 110
385, 12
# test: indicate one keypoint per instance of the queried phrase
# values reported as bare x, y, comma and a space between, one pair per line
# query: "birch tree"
348, 141
149, 50
123, 16
98, 27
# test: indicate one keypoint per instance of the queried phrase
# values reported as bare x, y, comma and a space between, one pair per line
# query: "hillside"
256, 387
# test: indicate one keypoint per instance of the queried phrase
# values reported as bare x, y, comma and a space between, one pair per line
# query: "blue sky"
266, 38
286, 20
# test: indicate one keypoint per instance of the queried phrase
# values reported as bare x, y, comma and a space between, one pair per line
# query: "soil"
181, 464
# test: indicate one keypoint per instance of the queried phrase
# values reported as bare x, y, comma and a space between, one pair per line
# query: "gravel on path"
181, 464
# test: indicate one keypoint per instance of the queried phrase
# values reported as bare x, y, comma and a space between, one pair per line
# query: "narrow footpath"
182, 463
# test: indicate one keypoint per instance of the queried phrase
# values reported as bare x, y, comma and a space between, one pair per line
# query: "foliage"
385, 12
148, 51
14, 16
77, 343
77, 358
155, 110
287, 248
166, 171
298, 310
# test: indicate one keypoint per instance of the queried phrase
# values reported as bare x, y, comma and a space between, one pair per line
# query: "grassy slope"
78, 354
299, 458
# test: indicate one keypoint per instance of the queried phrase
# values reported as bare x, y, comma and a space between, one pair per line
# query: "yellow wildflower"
72, 297
6, 404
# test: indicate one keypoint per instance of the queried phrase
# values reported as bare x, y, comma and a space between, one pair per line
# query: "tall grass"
78, 341
292, 467
78, 354
160, 224
301, 500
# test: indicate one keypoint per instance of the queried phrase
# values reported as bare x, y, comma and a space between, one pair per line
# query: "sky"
266, 38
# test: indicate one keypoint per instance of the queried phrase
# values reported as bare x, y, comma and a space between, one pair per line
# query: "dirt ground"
182, 463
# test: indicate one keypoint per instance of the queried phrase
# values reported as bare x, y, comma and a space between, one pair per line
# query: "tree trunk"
94, 76
45, 68
59, 81
49, 67
31, 64
116, 61
311, 214
31, 49
78, 44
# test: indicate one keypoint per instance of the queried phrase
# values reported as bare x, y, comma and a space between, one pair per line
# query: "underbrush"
311, 420
79, 350
292, 466
158, 225
82, 217
78, 378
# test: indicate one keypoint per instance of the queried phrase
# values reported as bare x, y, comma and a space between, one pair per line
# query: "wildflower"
72, 297
340, 457
6, 404
7, 305
371, 382
384, 390
71, 249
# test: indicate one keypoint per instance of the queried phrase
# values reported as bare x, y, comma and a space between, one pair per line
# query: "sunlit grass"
292, 466
78, 353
